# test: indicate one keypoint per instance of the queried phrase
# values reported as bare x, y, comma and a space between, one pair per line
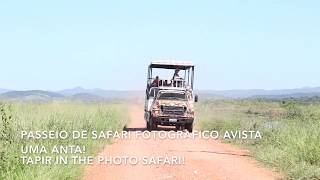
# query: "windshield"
172, 96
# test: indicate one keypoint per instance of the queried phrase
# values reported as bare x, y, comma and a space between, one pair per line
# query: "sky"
244, 44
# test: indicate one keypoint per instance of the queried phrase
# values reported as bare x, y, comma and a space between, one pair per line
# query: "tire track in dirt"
204, 159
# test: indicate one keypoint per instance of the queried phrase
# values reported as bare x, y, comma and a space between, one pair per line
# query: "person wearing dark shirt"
155, 82
176, 74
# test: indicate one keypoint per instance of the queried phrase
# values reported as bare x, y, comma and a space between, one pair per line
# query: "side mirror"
196, 98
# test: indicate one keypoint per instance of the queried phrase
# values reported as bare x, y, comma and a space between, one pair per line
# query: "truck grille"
173, 110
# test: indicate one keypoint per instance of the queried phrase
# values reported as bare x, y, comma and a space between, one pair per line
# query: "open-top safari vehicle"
169, 102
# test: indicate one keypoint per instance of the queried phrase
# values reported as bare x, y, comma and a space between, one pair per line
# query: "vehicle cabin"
182, 77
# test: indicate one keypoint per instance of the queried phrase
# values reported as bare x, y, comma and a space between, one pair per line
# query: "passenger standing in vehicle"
155, 82
176, 74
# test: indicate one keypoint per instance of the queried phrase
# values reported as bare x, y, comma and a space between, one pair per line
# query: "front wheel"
148, 126
151, 125
189, 127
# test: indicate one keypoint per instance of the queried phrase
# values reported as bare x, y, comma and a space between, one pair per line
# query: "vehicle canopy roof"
171, 64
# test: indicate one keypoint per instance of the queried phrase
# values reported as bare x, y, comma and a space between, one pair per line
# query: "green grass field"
57, 116
290, 132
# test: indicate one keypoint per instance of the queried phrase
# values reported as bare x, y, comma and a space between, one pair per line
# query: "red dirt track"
204, 159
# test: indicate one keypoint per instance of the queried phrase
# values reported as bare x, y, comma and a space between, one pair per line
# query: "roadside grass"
290, 132
56, 116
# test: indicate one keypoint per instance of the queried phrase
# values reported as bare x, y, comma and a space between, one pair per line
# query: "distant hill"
97, 95
75, 94
36, 95
247, 93
73, 91
108, 94
4, 90
290, 96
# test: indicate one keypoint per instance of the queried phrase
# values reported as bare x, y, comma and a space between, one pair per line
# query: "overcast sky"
241, 44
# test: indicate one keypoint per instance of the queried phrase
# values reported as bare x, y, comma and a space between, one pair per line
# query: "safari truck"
169, 101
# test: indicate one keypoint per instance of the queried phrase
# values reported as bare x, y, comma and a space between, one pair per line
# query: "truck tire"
147, 124
189, 127
152, 125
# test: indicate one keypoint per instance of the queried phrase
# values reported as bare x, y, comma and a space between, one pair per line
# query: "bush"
9, 161
293, 111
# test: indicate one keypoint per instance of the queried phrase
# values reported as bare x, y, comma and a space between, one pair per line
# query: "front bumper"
172, 121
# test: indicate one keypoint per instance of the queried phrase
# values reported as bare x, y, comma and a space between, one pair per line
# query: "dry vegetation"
291, 136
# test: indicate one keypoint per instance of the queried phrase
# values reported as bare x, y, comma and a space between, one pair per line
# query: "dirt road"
203, 159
